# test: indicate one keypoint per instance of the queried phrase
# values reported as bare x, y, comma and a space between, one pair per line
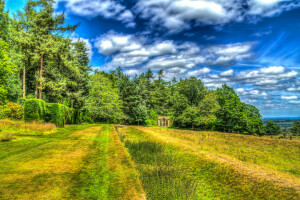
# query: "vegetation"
178, 164
76, 162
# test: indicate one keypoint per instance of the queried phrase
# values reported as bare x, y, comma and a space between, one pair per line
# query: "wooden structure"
163, 121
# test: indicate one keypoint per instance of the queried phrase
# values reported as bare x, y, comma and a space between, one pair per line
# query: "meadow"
179, 164
101, 161
75, 162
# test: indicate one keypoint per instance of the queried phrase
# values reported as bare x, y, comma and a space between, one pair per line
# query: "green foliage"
34, 110
272, 128
153, 117
295, 129
3, 95
6, 68
139, 114
11, 110
104, 104
4, 22
55, 113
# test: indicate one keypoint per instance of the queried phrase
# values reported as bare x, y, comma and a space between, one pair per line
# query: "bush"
4, 112
15, 111
56, 114
34, 109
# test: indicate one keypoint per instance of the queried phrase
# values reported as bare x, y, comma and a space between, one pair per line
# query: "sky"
250, 45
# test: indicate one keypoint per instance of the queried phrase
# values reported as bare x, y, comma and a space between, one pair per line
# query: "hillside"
178, 164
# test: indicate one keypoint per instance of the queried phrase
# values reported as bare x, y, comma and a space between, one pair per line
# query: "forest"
39, 59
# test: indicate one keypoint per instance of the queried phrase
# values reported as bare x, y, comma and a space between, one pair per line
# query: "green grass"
173, 171
74, 162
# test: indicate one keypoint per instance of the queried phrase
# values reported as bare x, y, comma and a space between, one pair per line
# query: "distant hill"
284, 122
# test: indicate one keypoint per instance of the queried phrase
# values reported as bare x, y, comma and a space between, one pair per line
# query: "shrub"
34, 109
16, 111
4, 112
56, 114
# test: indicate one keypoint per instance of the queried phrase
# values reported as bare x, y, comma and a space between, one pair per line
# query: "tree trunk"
41, 76
72, 103
24, 82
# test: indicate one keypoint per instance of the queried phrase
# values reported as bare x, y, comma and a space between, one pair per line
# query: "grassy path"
174, 166
73, 163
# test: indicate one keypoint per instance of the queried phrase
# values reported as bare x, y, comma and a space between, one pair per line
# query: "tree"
45, 26
4, 22
231, 115
6, 68
139, 114
208, 108
104, 103
272, 128
193, 89
295, 129
189, 118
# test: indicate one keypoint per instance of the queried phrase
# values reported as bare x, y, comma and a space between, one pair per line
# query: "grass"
178, 164
15, 127
75, 162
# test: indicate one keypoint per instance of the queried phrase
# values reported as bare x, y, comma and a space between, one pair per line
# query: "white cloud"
177, 15
130, 50
198, 72
268, 77
273, 70
132, 72
294, 89
289, 97
227, 73
108, 9
294, 102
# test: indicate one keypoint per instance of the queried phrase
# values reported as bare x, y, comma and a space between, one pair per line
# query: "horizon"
253, 47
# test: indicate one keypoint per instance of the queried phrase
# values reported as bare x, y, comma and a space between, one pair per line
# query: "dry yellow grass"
229, 149
21, 128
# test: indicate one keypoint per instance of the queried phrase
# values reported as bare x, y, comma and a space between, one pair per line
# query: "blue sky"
251, 45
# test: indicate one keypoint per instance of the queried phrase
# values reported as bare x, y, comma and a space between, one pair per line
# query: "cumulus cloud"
270, 78
294, 102
131, 50
177, 15
198, 72
108, 9
229, 54
289, 97
227, 73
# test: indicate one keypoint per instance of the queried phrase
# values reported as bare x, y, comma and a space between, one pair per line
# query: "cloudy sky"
251, 45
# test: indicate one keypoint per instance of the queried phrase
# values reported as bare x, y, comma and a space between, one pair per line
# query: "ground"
133, 162
77, 162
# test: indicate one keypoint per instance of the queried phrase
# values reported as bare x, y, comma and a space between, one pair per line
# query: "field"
133, 162
77, 162
178, 164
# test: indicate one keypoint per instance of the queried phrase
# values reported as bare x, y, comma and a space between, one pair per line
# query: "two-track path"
77, 162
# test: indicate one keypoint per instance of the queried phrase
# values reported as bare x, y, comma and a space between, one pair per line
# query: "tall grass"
172, 172
21, 128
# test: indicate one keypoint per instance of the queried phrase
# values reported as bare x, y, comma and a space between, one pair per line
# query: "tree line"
38, 59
